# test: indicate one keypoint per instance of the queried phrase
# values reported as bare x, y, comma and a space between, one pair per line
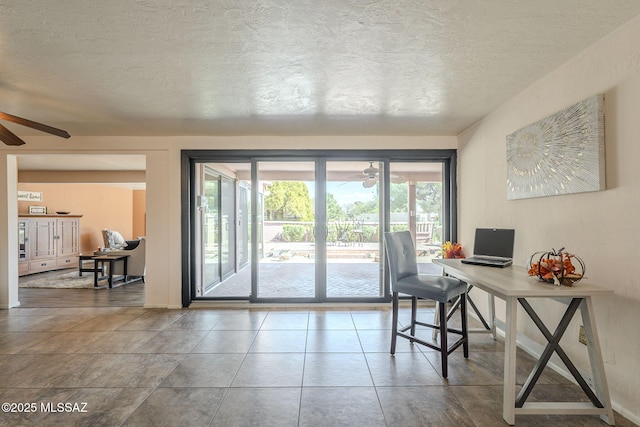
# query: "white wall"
9, 233
601, 227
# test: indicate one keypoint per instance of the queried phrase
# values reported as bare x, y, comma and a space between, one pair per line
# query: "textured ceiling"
229, 67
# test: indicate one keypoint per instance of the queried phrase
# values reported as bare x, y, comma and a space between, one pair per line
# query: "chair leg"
436, 321
394, 321
444, 347
465, 332
414, 309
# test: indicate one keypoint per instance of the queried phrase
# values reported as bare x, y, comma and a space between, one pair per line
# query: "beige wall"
601, 227
101, 206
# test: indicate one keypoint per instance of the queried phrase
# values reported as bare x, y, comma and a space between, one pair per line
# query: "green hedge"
294, 233
302, 233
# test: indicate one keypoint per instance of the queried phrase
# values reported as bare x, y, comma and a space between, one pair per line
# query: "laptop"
492, 247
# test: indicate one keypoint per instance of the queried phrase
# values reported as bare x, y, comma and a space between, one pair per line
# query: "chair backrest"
401, 255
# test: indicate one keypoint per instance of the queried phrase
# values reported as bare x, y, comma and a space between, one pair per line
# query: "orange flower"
556, 267
452, 250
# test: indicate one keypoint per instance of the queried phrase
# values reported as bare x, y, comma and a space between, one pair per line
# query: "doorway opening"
111, 195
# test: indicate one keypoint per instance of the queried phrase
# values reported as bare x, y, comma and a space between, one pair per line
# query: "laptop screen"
494, 242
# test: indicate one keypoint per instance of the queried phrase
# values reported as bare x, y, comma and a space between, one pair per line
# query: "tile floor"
129, 366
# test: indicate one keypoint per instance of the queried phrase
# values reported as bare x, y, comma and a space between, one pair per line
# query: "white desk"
513, 285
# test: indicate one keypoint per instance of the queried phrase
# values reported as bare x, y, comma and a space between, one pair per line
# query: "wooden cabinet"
48, 242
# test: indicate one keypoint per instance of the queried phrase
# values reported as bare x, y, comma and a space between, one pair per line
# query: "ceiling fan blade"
35, 125
8, 137
357, 177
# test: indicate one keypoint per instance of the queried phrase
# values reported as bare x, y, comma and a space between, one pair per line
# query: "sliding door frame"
189, 159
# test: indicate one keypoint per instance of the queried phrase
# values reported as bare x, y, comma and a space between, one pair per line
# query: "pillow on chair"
132, 244
113, 239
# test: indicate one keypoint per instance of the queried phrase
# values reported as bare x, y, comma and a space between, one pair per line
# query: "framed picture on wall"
37, 209
560, 154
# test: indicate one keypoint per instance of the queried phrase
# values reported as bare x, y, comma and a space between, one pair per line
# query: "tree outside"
334, 210
288, 200
291, 201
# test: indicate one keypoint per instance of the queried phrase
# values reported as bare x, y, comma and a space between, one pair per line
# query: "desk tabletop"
513, 281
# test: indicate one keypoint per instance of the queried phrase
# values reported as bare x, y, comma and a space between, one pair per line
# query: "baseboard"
9, 306
288, 306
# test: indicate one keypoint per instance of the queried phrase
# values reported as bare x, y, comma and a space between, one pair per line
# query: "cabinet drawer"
67, 262
41, 265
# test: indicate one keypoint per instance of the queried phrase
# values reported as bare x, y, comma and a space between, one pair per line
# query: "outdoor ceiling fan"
10, 138
369, 176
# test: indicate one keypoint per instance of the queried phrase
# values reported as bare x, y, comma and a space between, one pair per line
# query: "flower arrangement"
452, 250
556, 267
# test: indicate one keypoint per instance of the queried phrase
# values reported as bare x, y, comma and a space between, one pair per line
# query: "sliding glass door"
353, 221
287, 268
309, 227
416, 204
221, 218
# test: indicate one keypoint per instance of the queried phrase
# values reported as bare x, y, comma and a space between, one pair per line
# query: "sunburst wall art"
561, 154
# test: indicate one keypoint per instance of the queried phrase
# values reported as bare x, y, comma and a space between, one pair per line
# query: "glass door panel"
244, 215
210, 232
417, 205
287, 267
227, 227
222, 224
22, 240
353, 229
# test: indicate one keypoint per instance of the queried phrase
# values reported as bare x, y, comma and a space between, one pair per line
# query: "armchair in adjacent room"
116, 245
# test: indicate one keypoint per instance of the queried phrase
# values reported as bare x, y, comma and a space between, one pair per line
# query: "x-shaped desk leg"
554, 346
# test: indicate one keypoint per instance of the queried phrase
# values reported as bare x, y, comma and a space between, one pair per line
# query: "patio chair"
403, 269
358, 232
342, 233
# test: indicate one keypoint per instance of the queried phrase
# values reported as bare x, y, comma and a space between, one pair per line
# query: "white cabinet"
48, 242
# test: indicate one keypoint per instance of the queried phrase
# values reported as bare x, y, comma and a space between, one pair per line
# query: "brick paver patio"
297, 280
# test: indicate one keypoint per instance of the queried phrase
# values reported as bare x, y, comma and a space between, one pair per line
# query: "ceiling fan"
10, 138
369, 176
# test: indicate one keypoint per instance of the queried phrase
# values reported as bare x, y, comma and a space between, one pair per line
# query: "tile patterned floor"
205, 367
